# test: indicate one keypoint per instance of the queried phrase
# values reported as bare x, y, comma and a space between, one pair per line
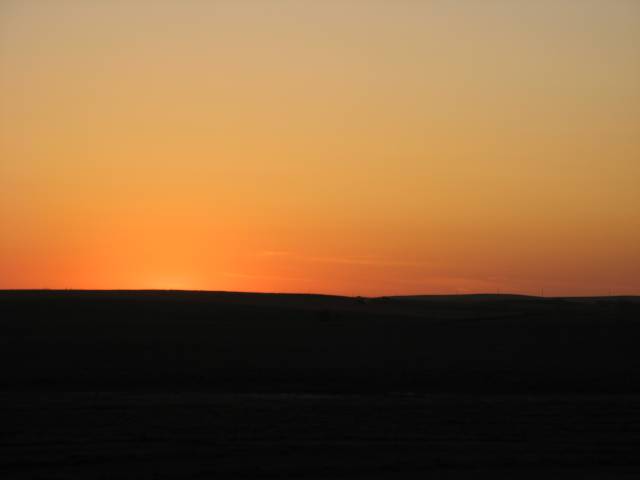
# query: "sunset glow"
343, 147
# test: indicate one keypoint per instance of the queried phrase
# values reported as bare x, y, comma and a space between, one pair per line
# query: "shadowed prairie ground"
309, 343
215, 385
204, 435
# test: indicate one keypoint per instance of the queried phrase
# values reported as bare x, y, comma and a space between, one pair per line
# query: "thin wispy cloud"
265, 277
365, 261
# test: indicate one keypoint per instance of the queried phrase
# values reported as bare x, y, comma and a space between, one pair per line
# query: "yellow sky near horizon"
351, 147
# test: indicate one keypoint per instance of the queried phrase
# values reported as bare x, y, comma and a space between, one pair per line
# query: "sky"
354, 147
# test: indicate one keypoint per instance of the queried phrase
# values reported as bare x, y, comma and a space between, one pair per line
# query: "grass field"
204, 435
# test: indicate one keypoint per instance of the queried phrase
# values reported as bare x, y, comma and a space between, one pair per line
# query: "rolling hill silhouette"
192, 385
226, 341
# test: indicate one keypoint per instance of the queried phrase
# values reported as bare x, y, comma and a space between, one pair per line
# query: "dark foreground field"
218, 385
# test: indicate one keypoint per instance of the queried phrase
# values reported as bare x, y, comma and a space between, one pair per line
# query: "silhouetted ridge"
227, 341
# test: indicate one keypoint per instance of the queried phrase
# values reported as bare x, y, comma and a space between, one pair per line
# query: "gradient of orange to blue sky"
352, 147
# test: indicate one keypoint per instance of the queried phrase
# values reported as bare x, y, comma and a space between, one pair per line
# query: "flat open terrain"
204, 435
214, 385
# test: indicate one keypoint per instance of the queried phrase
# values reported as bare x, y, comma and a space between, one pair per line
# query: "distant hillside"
227, 341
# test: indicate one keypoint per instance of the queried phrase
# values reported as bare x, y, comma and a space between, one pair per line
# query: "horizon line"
178, 290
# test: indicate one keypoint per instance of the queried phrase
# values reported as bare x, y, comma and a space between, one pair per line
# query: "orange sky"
351, 147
